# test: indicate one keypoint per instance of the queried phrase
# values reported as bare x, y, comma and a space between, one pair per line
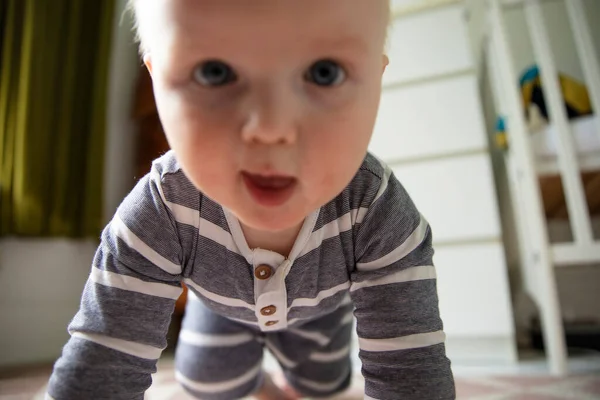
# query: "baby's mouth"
270, 191
271, 182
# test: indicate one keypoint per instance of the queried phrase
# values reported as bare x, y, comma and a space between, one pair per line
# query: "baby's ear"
385, 62
148, 62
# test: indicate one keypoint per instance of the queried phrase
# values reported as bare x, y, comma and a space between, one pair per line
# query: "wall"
430, 130
578, 298
41, 280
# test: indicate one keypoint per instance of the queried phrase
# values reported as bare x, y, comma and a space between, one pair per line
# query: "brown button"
271, 323
270, 310
263, 272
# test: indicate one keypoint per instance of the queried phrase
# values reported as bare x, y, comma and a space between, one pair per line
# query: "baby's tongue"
272, 182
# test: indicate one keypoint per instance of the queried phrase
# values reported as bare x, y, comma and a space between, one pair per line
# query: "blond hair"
130, 9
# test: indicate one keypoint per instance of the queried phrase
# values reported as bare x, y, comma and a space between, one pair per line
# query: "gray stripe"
360, 193
179, 190
240, 392
422, 255
201, 318
146, 317
393, 213
226, 311
426, 374
326, 307
217, 364
298, 349
213, 212
399, 314
223, 272
79, 357
149, 219
373, 165
340, 376
306, 281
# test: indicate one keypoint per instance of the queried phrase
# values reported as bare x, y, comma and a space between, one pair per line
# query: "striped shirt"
369, 245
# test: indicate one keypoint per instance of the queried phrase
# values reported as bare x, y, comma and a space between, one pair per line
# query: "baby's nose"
270, 120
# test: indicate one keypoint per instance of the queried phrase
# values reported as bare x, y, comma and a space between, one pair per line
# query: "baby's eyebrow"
349, 43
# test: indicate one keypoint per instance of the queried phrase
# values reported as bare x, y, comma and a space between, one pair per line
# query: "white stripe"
132, 284
348, 318
406, 275
384, 180
48, 397
217, 298
358, 215
330, 357
322, 295
192, 297
124, 346
282, 358
407, 247
157, 178
119, 228
219, 386
208, 340
334, 228
243, 321
314, 336
346, 300
218, 235
323, 386
402, 343
183, 214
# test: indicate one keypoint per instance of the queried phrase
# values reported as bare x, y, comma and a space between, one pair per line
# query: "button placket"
267, 311
271, 311
263, 272
270, 292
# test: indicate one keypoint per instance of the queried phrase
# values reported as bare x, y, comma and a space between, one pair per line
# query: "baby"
270, 210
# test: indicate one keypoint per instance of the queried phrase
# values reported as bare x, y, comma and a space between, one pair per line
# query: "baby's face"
269, 105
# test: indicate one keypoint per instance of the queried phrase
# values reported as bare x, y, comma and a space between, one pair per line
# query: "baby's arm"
394, 290
120, 329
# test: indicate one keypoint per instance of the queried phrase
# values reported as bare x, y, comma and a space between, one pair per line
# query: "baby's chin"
273, 221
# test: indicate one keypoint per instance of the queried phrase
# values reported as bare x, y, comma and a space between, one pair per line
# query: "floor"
526, 381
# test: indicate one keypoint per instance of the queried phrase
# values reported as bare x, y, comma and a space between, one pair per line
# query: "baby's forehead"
264, 20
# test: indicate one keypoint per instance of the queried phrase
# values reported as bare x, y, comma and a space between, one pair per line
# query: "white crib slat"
567, 156
531, 210
587, 54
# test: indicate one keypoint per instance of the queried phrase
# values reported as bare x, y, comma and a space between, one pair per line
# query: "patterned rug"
28, 384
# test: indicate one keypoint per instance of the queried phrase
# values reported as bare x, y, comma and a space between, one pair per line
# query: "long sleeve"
393, 287
120, 329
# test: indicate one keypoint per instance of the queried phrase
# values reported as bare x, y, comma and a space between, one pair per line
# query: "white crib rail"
539, 271
567, 155
540, 257
586, 53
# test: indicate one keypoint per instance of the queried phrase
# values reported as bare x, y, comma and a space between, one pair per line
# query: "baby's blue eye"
214, 73
326, 73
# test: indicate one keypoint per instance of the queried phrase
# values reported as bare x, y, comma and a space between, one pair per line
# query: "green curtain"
54, 57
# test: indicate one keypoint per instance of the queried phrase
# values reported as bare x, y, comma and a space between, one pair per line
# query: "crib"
554, 173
